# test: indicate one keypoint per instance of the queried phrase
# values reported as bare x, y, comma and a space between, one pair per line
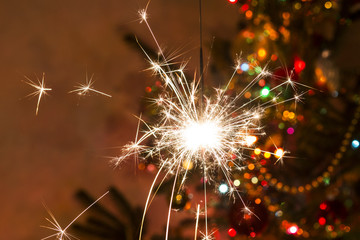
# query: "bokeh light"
290, 130
237, 183
355, 144
265, 91
245, 67
232, 232
223, 188
292, 229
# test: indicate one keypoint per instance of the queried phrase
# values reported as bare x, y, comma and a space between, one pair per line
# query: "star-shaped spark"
61, 233
85, 89
41, 90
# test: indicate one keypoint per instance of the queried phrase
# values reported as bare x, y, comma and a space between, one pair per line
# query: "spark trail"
61, 233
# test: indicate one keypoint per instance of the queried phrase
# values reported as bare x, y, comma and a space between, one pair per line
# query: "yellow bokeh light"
267, 155
257, 151
262, 53
178, 198
291, 115
297, 6
328, 5
237, 183
286, 113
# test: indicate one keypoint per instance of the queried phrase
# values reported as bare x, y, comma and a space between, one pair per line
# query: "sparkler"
61, 233
84, 89
208, 132
41, 90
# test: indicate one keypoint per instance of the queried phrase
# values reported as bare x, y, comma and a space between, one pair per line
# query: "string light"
325, 176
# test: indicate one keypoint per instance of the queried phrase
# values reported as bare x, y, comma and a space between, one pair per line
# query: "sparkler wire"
201, 59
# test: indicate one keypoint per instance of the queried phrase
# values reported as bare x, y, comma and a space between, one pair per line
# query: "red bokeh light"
244, 7
322, 221
323, 206
232, 232
299, 65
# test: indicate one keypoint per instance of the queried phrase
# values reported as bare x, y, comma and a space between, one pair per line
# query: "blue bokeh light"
244, 67
355, 143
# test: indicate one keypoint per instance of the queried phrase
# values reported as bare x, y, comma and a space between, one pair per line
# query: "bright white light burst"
201, 135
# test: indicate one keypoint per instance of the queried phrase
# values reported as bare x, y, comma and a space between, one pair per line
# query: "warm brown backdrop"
49, 156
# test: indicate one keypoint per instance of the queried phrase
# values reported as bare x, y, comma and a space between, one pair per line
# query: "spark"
84, 89
204, 134
206, 236
41, 90
197, 221
61, 233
